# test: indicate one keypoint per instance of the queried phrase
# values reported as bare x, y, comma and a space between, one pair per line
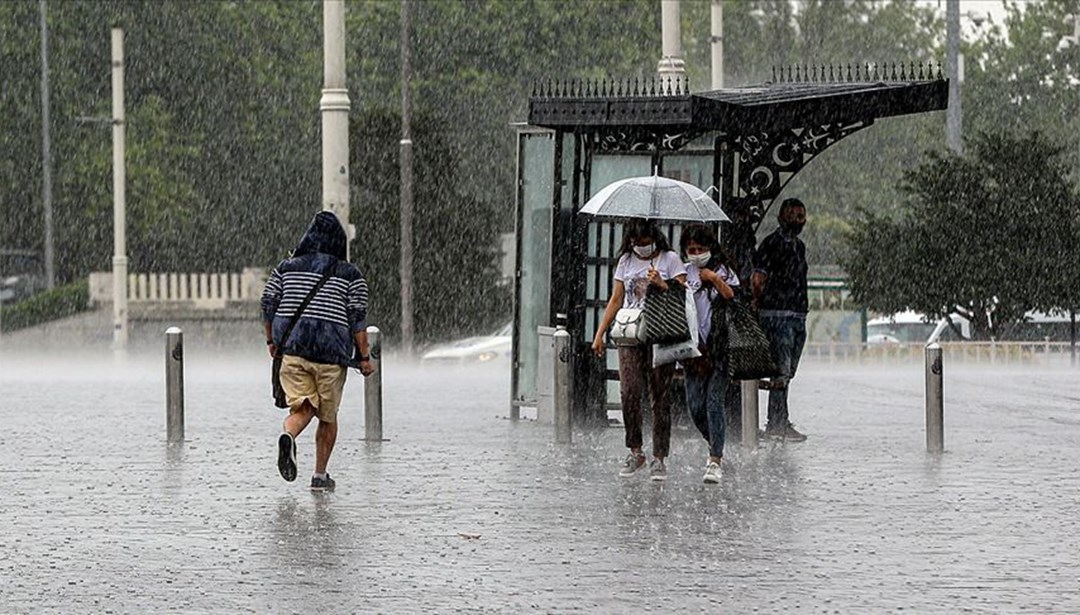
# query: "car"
471, 350
20, 275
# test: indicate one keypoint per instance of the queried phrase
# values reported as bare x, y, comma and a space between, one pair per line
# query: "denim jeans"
787, 336
706, 390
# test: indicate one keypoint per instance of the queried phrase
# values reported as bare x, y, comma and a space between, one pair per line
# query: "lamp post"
953, 116
120, 260
717, 43
334, 107
671, 68
406, 271
46, 154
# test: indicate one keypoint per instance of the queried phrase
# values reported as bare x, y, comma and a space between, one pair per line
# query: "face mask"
699, 260
645, 251
794, 229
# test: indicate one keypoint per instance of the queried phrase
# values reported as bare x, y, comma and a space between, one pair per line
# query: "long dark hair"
640, 227
702, 234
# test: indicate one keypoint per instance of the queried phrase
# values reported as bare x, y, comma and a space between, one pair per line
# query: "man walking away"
779, 291
319, 347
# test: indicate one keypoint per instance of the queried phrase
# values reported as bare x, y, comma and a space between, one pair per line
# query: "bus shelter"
742, 145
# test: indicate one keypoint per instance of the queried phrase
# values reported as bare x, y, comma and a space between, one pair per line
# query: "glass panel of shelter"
534, 227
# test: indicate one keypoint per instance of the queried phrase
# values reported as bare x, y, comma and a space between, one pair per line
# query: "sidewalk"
464, 510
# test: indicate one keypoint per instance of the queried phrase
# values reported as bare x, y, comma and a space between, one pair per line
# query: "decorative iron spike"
911, 71
832, 74
903, 75
798, 74
774, 74
789, 78
806, 73
652, 86
848, 78
922, 75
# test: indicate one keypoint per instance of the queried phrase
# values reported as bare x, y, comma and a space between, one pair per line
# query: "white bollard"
174, 385
563, 391
373, 411
935, 400
750, 414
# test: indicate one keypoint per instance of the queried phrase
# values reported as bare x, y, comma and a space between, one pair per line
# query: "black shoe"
286, 457
322, 484
787, 433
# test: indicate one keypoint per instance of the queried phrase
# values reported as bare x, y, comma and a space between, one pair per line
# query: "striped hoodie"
324, 331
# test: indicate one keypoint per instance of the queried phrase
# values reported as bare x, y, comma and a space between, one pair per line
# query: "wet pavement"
464, 510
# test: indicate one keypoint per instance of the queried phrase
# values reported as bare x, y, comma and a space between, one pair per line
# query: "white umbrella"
654, 198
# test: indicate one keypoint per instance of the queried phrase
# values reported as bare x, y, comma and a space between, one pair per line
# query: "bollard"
373, 431
750, 414
174, 385
935, 415
563, 395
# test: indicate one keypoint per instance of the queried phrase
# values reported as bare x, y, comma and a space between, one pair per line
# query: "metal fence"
988, 353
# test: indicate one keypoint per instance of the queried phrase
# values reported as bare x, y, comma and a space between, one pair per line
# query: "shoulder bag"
749, 353
275, 369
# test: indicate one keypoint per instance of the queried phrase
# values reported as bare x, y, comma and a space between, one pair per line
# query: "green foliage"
455, 236
59, 302
993, 229
223, 124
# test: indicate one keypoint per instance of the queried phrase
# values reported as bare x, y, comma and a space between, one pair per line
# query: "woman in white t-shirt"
645, 259
709, 277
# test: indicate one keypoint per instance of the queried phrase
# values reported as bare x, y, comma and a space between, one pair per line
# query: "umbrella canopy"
654, 198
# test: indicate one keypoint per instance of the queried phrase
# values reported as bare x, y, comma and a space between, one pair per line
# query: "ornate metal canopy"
767, 132
795, 98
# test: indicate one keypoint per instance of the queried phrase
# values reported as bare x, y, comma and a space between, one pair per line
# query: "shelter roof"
798, 98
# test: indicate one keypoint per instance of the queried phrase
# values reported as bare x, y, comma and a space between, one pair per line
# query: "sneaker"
322, 484
632, 464
712, 473
657, 470
286, 457
786, 433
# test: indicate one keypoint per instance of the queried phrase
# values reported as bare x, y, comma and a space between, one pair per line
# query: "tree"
456, 236
994, 230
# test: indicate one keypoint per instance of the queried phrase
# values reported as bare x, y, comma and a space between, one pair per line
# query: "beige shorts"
320, 384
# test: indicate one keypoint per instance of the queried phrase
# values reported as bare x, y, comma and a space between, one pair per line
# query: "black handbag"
716, 346
749, 352
275, 368
665, 313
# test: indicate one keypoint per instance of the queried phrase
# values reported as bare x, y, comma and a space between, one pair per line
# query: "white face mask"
699, 260
645, 251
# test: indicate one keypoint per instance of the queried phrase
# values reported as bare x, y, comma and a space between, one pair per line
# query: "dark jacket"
324, 331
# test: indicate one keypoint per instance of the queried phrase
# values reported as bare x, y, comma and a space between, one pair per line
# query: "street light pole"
46, 153
671, 68
334, 106
120, 260
406, 272
953, 117
717, 41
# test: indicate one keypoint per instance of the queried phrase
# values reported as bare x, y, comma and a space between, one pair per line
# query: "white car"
480, 349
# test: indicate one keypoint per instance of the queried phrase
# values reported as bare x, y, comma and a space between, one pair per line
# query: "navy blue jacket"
324, 331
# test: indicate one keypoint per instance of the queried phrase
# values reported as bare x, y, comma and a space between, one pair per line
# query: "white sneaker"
712, 473
632, 464
657, 470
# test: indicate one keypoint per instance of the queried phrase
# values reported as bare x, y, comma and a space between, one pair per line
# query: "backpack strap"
303, 306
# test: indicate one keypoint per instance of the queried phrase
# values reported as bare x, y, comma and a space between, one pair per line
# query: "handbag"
749, 352
686, 349
628, 328
665, 311
280, 399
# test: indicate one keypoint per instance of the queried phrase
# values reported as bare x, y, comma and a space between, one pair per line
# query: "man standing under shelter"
314, 309
779, 291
